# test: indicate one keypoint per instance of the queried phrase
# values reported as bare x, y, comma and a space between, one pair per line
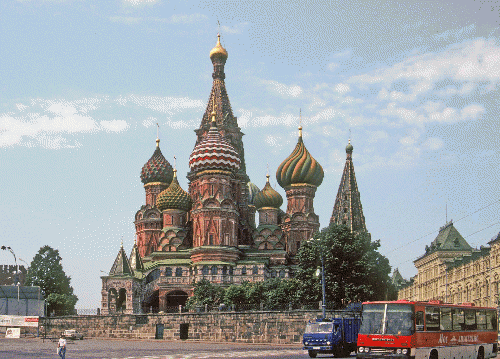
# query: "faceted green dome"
268, 197
157, 169
174, 197
300, 167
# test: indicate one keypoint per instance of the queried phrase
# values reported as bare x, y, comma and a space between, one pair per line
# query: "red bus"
427, 330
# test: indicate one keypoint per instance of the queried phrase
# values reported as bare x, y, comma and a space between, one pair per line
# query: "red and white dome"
214, 153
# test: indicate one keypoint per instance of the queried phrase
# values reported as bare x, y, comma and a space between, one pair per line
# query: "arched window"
230, 270
178, 272
168, 272
243, 270
282, 274
204, 271
213, 270
255, 270
224, 270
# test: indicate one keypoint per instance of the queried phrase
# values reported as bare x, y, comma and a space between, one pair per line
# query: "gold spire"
218, 50
175, 167
300, 123
157, 135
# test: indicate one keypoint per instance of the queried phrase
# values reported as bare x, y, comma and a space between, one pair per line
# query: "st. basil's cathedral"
210, 231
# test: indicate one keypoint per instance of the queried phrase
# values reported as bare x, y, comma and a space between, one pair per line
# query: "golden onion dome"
300, 167
218, 52
268, 197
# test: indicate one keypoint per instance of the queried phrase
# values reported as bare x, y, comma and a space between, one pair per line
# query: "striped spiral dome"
214, 152
174, 197
268, 197
300, 167
252, 192
157, 169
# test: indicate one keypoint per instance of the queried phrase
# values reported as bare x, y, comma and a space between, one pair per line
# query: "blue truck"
335, 335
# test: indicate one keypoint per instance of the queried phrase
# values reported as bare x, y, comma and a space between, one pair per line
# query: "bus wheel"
480, 353
434, 355
312, 354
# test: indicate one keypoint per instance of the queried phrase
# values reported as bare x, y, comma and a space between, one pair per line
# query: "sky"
414, 84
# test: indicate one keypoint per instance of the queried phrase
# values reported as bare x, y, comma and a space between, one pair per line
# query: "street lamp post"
16, 280
323, 283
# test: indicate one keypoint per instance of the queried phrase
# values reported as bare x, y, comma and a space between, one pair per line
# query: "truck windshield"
319, 328
395, 319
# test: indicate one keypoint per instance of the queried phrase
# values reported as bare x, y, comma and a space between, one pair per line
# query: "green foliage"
205, 293
46, 272
354, 270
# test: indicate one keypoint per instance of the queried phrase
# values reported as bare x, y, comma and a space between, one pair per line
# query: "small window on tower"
210, 239
345, 210
298, 244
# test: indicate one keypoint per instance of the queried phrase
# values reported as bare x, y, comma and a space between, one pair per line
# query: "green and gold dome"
174, 197
300, 167
268, 197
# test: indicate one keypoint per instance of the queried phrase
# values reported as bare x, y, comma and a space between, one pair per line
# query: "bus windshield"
325, 327
395, 319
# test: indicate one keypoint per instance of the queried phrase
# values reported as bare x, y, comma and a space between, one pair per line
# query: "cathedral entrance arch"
176, 298
151, 303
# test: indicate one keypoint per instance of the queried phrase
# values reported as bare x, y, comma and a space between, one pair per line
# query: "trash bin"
184, 331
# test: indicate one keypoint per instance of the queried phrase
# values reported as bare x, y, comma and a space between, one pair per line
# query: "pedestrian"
61, 347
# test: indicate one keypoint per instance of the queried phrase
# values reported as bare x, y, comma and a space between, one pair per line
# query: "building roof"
121, 266
347, 209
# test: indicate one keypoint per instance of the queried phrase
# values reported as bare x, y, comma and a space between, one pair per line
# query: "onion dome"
268, 197
157, 169
300, 167
349, 147
174, 197
218, 52
214, 152
252, 191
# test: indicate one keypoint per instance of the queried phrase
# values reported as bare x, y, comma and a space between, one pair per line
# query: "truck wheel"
312, 354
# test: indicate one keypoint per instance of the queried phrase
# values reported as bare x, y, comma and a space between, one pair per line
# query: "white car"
73, 334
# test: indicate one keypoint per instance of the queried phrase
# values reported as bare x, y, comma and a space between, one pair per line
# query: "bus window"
470, 319
458, 319
481, 319
373, 319
445, 321
399, 319
491, 320
419, 321
431, 319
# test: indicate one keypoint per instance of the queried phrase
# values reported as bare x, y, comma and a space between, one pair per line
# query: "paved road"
31, 348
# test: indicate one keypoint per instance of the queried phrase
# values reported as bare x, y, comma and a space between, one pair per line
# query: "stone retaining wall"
254, 327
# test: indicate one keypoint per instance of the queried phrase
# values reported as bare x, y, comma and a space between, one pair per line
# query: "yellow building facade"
454, 272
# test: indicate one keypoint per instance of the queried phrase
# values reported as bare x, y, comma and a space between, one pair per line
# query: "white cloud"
342, 88
236, 29
433, 144
128, 20
168, 105
140, 2
282, 89
114, 125
332, 66
187, 19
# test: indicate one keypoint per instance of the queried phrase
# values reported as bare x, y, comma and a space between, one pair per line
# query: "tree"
354, 270
205, 293
46, 272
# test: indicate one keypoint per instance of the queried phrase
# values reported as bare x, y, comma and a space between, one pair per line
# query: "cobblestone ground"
28, 348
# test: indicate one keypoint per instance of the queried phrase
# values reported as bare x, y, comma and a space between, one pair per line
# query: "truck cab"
336, 335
